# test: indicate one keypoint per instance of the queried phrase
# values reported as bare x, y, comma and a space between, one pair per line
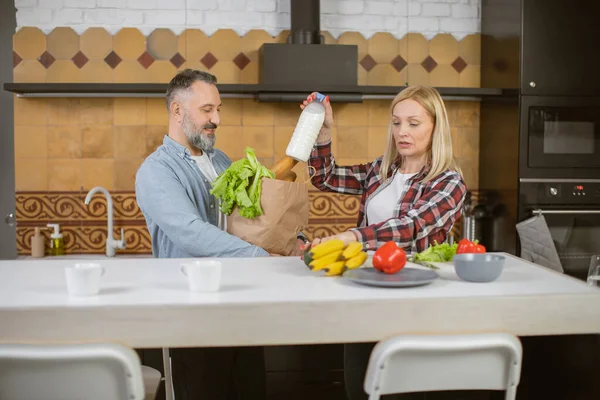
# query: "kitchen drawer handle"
540, 212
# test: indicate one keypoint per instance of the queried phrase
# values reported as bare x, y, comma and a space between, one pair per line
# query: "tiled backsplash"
66, 146
129, 56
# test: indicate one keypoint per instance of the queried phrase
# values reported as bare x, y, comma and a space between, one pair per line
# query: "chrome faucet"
111, 243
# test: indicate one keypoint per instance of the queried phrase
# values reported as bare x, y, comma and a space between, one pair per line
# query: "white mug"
83, 279
203, 276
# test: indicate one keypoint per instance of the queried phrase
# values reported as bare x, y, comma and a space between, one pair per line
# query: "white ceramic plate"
406, 277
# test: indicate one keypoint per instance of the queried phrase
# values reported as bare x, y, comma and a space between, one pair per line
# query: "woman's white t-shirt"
381, 207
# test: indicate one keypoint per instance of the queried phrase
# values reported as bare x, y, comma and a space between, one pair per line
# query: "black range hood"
305, 59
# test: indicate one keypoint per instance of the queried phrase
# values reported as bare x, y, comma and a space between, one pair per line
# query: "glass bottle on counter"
57, 241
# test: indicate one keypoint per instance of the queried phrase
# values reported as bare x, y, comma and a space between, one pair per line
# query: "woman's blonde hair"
440, 151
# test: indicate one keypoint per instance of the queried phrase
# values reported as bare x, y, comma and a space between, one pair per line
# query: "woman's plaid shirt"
426, 212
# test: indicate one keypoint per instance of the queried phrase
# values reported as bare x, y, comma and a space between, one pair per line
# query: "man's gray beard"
195, 136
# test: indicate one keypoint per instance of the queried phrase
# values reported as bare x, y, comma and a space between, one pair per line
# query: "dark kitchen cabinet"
8, 233
560, 47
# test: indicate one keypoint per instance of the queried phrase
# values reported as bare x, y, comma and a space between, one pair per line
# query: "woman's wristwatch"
303, 237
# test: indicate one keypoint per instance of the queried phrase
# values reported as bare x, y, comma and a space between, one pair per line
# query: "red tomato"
479, 248
465, 246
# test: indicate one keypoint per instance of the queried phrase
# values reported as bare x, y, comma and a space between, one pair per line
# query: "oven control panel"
561, 192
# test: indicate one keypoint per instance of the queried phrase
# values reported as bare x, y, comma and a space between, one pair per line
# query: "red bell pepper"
466, 246
389, 258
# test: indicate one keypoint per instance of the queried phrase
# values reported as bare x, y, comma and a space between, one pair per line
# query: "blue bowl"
473, 267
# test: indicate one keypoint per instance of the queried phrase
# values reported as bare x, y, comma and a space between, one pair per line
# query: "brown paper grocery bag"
285, 213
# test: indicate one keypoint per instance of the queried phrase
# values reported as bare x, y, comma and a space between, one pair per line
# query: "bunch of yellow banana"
334, 257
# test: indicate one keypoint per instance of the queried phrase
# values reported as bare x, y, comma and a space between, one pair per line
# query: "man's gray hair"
184, 80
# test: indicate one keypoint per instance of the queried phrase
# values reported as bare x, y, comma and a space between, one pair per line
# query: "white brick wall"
430, 17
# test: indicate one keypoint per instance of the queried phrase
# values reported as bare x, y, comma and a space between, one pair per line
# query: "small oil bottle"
37, 244
57, 241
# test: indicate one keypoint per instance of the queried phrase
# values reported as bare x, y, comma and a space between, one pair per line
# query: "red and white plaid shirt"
426, 212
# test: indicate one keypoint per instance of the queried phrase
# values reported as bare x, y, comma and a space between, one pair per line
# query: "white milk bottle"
307, 129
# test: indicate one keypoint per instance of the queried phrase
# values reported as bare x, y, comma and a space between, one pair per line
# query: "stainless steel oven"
571, 208
559, 137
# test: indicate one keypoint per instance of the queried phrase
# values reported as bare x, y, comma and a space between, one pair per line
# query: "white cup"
84, 279
203, 276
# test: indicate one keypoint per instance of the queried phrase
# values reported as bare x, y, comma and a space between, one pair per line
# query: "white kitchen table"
273, 301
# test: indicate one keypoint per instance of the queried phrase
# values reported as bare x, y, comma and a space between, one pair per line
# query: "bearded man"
173, 191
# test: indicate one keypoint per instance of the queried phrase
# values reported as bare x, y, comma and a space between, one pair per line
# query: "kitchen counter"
85, 257
271, 301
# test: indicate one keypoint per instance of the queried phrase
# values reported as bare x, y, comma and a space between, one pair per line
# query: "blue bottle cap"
320, 97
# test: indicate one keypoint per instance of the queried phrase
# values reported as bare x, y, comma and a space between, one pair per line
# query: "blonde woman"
414, 192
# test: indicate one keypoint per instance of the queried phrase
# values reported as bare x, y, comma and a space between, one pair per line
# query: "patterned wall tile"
177, 60
129, 43
252, 41
162, 44
225, 44
16, 59
29, 43
46, 59
471, 76
357, 39
96, 43
196, 44
63, 71
112, 59
367, 62
444, 48
63, 43
386, 75
226, 72
417, 48
250, 74
97, 71
29, 71
444, 75
129, 71
79, 59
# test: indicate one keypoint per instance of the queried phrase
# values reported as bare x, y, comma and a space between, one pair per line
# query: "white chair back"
70, 372
406, 364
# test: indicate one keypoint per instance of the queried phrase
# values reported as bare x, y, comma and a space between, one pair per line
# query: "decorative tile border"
85, 231
84, 226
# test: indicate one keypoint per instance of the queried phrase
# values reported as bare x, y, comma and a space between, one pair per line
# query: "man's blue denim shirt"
181, 214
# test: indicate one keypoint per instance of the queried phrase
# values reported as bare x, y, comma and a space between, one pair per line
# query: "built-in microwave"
559, 137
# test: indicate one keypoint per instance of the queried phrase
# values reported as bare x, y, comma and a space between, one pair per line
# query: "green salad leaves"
437, 253
240, 185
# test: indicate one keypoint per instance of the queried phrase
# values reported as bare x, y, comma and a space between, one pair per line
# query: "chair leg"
511, 393
169, 393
